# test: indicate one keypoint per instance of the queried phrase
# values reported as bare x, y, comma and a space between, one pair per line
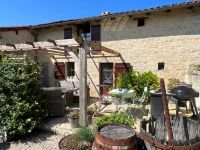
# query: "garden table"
124, 94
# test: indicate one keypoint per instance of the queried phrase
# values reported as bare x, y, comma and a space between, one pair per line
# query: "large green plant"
119, 118
21, 102
137, 81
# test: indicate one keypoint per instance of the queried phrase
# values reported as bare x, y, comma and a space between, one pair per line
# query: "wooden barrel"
114, 137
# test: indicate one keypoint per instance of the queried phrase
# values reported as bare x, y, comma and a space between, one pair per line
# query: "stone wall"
169, 37
54, 33
193, 77
15, 37
172, 38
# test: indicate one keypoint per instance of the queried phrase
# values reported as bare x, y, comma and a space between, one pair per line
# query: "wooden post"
83, 84
166, 110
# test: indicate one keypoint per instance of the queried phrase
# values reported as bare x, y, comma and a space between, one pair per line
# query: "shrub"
86, 134
195, 67
137, 81
73, 142
21, 102
173, 82
120, 118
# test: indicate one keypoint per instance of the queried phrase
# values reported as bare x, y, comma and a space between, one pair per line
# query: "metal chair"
138, 102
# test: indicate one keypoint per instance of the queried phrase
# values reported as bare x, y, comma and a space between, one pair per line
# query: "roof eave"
137, 12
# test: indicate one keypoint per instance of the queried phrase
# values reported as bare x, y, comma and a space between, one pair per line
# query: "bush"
137, 81
173, 82
119, 118
86, 134
21, 102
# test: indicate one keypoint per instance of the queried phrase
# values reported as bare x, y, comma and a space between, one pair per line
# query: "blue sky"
30, 12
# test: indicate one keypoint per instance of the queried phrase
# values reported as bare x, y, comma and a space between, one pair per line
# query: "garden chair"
138, 102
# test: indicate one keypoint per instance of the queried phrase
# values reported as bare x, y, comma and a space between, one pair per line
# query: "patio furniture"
57, 99
124, 94
73, 85
138, 102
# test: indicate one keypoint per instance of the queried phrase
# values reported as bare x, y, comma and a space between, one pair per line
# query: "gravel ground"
45, 138
48, 137
41, 141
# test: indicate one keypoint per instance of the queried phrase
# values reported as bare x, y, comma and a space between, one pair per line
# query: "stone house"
165, 40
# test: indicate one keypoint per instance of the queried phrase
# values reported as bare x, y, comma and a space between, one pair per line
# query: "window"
96, 33
106, 74
70, 69
161, 66
68, 33
59, 70
17, 32
141, 22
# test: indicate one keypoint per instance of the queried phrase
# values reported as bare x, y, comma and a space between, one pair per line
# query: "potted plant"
97, 113
81, 139
86, 136
73, 118
118, 118
90, 113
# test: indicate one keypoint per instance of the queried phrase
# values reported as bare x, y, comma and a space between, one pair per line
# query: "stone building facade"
165, 41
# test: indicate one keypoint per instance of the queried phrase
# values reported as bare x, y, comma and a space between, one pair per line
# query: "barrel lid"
115, 131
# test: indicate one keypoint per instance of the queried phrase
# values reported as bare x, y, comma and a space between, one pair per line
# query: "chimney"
105, 13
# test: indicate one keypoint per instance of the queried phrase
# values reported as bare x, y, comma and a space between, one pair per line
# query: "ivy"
21, 101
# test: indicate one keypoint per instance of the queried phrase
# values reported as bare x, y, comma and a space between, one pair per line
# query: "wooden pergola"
61, 47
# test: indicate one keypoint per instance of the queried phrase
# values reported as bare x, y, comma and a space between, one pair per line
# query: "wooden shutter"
59, 70
68, 33
96, 33
121, 68
96, 36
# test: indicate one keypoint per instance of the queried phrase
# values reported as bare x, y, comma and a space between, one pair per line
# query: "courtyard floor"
49, 135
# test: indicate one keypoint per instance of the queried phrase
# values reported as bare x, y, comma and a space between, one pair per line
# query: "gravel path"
46, 138
42, 141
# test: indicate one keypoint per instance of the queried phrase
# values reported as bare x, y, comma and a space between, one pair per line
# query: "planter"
114, 136
71, 142
74, 123
89, 119
95, 116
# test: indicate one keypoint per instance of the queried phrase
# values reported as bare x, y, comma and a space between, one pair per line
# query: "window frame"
141, 22
68, 33
70, 69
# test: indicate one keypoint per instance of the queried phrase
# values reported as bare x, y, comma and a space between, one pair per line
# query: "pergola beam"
29, 43
57, 44
51, 41
103, 48
98, 46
